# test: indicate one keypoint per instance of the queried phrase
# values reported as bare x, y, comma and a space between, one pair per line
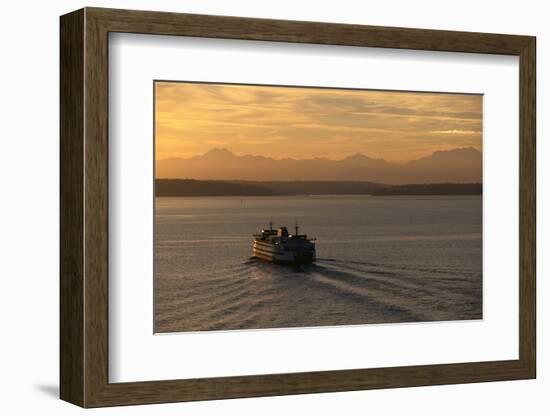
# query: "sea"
381, 260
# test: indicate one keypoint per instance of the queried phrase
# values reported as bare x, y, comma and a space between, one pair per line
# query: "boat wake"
401, 294
258, 294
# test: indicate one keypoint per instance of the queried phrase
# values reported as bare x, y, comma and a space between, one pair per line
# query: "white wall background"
29, 207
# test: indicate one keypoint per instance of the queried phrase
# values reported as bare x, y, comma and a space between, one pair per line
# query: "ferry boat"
280, 247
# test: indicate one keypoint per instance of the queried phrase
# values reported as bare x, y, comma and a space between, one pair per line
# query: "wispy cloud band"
191, 118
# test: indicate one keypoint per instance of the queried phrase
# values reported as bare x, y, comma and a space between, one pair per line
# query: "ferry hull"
268, 253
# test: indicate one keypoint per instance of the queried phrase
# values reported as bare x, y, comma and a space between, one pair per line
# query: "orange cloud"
192, 118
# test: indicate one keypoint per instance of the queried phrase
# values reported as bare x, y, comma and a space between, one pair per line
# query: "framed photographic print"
255, 207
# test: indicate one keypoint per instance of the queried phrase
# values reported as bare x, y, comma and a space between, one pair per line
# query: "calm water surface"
380, 260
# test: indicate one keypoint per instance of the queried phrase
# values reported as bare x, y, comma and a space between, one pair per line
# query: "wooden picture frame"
84, 207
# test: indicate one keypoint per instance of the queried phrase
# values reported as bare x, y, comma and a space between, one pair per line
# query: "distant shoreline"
195, 188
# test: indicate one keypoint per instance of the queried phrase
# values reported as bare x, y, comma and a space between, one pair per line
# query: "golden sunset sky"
303, 123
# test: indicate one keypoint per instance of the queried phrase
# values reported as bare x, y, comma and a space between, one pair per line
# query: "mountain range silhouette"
460, 165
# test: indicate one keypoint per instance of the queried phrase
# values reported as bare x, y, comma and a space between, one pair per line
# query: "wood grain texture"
71, 213
96, 266
84, 207
225, 27
527, 207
